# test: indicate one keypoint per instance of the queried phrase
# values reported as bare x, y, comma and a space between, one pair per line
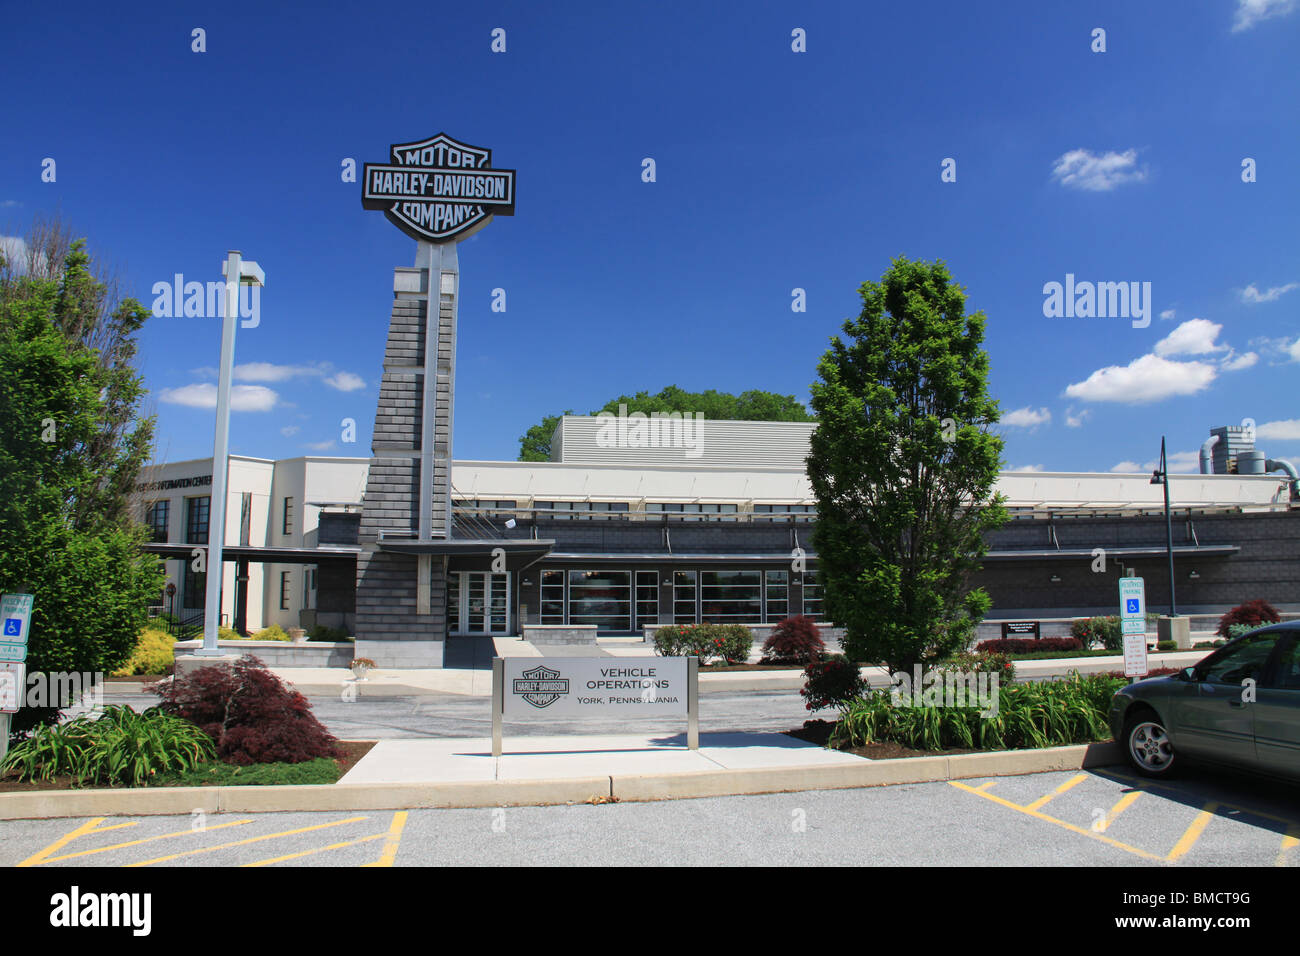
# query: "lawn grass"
217, 774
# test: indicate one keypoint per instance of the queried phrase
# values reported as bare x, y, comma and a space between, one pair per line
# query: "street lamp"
237, 273
1161, 477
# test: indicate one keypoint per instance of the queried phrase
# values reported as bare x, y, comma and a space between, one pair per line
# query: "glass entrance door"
479, 603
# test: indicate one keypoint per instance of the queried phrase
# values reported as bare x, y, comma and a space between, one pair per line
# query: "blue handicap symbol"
1133, 605
13, 627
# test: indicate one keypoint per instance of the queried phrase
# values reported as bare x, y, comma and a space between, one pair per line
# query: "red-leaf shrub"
253, 716
1029, 645
1154, 672
794, 640
831, 682
1253, 614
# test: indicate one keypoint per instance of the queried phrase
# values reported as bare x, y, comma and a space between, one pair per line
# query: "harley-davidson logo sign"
541, 686
438, 189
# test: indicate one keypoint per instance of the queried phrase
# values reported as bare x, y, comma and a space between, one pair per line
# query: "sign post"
15, 625
1133, 625
596, 687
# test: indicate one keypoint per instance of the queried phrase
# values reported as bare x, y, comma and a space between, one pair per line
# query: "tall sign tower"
439, 192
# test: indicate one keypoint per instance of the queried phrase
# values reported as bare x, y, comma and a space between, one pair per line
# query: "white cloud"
1146, 379
1250, 12
320, 445
1167, 314
9, 204
1082, 169
345, 382
1075, 421
1235, 363
270, 372
14, 249
1286, 429
1253, 295
1194, 337
1027, 468
243, 398
1026, 418
1180, 462
290, 430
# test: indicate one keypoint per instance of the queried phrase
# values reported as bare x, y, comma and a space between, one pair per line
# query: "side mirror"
1188, 674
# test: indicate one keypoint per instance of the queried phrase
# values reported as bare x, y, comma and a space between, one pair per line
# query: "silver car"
1240, 707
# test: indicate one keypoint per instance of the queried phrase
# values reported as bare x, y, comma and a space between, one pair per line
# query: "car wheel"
1147, 746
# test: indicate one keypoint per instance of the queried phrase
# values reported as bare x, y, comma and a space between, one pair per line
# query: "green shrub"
273, 633
1041, 714
227, 634
119, 747
322, 632
1105, 630
153, 654
831, 682
708, 642
989, 662
1236, 630
1166, 645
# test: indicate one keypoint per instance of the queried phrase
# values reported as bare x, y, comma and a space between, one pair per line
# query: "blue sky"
775, 170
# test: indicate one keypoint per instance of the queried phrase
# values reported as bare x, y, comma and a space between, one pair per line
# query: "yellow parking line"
90, 826
319, 849
1044, 801
394, 840
257, 839
1125, 802
1193, 832
985, 785
161, 836
1291, 840
1153, 786
1060, 823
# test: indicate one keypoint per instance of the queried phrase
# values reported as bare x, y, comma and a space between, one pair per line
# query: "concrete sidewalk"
560, 758
477, 682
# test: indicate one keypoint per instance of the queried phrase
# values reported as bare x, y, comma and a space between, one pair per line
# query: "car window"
1246, 660
1288, 666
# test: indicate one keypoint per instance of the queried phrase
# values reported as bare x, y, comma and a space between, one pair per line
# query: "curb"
181, 801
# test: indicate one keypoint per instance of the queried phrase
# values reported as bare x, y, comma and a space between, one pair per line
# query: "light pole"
1161, 477
237, 273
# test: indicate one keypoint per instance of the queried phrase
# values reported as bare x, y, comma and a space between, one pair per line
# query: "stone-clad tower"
401, 596
439, 192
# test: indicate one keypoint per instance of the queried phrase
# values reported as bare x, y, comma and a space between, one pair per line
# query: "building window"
286, 526
552, 609
785, 512
812, 595
603, 598
647, 599
777, 596
453, 602
308, 588
156, 517
731, 597
578, 510
691, 511
284, 590
196, 520
684, 597
195, 588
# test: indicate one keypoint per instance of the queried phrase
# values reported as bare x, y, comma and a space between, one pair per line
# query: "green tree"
752, 405
903, 467
72, 443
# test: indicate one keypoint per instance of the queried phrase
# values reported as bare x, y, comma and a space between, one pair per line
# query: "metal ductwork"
1207, 449
1277, 464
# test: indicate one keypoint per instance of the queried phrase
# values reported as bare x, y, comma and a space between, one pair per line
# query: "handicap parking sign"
1133, 606
13, 627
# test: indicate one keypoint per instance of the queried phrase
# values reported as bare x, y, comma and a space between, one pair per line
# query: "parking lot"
1096, 818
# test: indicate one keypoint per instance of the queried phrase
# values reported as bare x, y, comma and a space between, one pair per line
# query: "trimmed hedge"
708, 642
1029, 645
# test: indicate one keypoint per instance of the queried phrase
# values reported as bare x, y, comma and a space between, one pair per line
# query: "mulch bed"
819, 732
351, 752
